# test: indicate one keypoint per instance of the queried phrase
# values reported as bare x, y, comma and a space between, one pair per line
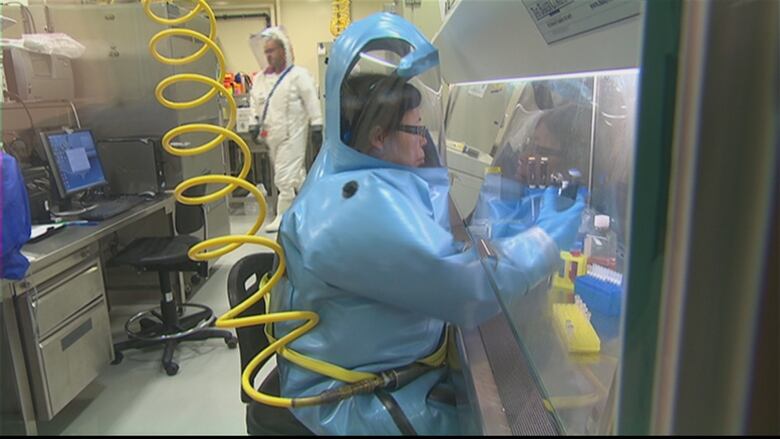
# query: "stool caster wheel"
118, 357
171, 369
232, 342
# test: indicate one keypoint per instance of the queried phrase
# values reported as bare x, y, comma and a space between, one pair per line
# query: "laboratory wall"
233, 33
307, 23
425, 14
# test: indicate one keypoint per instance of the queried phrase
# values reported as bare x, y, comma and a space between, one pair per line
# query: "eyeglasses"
414, 129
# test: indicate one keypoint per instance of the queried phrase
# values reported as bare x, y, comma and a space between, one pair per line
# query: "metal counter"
43, 253
502, 395
55, 317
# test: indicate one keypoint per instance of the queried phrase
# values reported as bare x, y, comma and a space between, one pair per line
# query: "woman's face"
403, 147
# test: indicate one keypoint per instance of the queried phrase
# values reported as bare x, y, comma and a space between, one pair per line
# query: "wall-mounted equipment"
37, 76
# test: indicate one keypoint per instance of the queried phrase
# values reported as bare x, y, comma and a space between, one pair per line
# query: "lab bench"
56, 330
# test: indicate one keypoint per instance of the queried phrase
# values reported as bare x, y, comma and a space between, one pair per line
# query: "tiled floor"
137, 397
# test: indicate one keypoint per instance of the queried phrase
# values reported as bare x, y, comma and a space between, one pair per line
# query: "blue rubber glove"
561, 225
504, 205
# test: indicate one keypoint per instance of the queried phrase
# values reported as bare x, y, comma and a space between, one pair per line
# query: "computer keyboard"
111, 208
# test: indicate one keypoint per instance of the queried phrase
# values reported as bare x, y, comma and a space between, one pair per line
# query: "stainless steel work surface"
52, 248
522, 402
503, 394
487, 412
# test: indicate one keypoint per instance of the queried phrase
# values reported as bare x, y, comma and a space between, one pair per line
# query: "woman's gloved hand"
561, 225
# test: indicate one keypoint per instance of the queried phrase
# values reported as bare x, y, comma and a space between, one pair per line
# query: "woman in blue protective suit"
370, 249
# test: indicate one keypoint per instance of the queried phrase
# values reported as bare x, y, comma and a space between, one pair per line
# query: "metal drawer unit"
65, 329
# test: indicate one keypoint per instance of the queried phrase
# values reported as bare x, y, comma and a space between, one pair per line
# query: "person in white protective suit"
284, 102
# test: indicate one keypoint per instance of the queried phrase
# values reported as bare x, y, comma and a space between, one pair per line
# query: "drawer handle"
32, 308
76, 334
69, 278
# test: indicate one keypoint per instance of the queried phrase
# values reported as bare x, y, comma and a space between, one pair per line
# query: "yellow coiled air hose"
340, 16
358, 382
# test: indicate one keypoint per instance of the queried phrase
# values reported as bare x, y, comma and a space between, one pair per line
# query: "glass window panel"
506, 143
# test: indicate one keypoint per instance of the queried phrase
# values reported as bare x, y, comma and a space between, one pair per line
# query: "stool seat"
165, 253
168, 254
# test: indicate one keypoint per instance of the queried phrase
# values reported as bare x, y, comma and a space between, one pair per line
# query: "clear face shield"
257, 45
274, 54
391, 105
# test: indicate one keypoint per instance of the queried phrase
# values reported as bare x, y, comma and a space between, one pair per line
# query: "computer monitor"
74, 161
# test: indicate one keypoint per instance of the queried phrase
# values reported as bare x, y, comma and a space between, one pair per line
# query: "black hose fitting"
391, 380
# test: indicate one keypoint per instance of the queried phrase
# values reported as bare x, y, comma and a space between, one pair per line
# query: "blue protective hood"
336, 156
348, 46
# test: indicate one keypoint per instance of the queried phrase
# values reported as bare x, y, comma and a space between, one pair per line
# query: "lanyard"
268, 99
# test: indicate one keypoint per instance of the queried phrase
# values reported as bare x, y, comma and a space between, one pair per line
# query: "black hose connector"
398, 378
349, 390
391, 380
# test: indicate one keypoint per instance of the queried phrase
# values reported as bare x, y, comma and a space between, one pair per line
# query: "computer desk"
57, 317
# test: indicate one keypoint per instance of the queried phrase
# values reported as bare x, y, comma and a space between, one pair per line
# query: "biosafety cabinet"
641, 330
